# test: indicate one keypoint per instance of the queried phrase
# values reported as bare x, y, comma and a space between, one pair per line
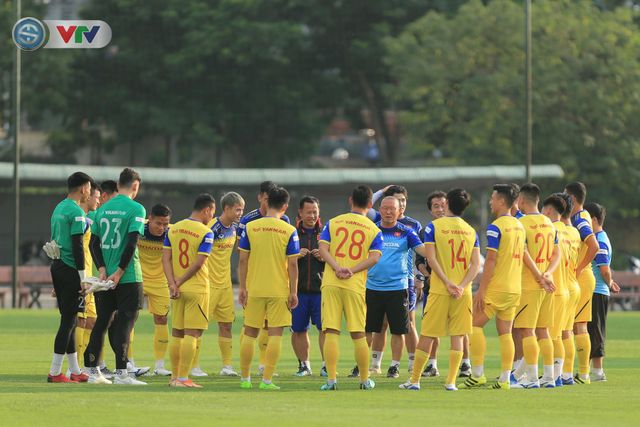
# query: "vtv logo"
78, 31
77, 34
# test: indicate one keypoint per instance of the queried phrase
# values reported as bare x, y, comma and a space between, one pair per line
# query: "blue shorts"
307, 312
412, 298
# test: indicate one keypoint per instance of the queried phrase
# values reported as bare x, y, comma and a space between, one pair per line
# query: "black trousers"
598, 326
66, 283
124, 301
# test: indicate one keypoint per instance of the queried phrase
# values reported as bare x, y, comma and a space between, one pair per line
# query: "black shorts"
393, 304
126, 297
598, 325
66, 283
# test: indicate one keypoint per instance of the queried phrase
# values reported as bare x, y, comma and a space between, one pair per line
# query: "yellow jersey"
542, 239
351, 237
582, 221
454, 242
560, 273
270, 242
219, 262
186, 240
88, 261
150, 253
573, 246
506, 236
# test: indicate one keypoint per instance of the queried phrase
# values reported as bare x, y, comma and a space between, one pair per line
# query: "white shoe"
547, 382
409, 386
97, 378
227, 371
137, 371
450, 387
162, 371
524, 384
375, 370
197, 372
127, 380
597, 377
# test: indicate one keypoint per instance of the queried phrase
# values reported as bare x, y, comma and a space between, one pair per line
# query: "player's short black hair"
109, 186
531, 192
265, 186
569, 203
395, 189
77, 180
127, 177
95, 186
596, 211
577, 190
458, 200
361, 196
308, 199
508, 192
203, 201
557, 202
278, 197
435, 195
160, 210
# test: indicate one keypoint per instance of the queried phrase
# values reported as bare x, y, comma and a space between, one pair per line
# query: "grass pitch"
26, 338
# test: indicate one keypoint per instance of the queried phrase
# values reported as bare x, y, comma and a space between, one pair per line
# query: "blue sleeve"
413, 240
429, 235
584, 228
376, 244
325, 235
244, 242
206, 244
167, 242
555, 240
493, 237
418, 227
285, 219
477, 243
603, 256
293, 247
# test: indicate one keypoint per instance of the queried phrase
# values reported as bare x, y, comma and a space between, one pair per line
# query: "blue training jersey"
603, 257
391, 271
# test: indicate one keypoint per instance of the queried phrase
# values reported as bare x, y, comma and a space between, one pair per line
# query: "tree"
460, 86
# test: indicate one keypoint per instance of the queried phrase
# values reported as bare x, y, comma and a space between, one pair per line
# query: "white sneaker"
450, 387
524, 384
598, 377
547, 382
409, 386
127, 380
137, 371
97, 378
228, 371
197, 372
162, 371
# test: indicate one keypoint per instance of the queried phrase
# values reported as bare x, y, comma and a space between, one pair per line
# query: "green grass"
26, 399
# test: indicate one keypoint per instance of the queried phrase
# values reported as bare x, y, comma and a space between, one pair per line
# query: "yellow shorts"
338, 301
274, 309
587, 284
528, 310
159, 300
445, 315
545, 318
189, 311
221, 307
560, 315
89, 307
572, 307
501, 304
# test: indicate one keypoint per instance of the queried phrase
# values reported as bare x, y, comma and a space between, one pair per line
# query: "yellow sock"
174, 354
130, 349
419, 363
546, 350
247, 348
187, 352
160, 341
361, 350
455, 357
583, 350
331, 353
530, 350
263, 340
196, 357
507, 352
569, 355
80, 344
477, 346
558, 349
272, 354
225, 345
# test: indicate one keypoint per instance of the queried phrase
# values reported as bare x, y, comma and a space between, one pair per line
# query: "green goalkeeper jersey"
67, 219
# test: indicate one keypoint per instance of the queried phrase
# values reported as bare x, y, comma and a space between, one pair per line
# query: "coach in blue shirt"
387, 281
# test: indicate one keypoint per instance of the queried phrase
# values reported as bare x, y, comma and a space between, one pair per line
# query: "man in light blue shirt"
604, 285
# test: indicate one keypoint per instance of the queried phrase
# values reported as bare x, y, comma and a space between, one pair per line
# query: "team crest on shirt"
445, 231
397, 234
